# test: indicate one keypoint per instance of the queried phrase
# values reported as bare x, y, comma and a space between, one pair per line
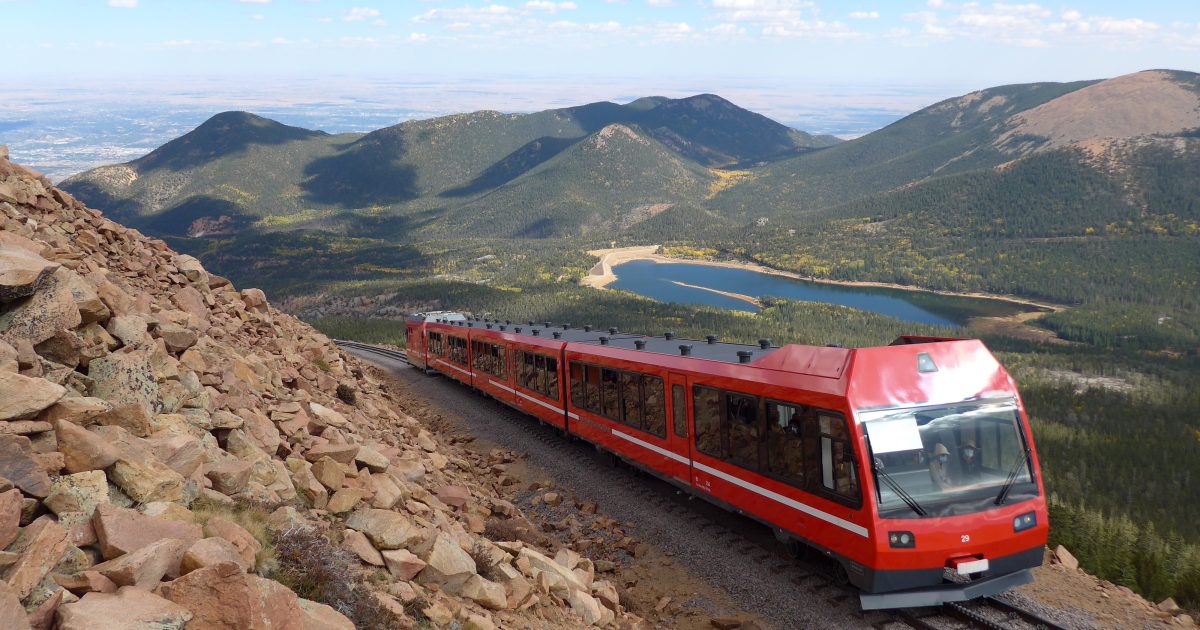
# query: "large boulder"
126, 377
18, 465
122, 530
12, 613
80, 492
22, 272
25, 397
36, 318
146, 566
210, 552
444, 560
10, 516
83, 450
223, 596
386, 529
128, 609
39, 547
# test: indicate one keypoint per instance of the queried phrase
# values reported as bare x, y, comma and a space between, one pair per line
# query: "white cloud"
864, 15
660, 3
123, 4
280, 41
255, 1
418, 37
359, 14
548, 6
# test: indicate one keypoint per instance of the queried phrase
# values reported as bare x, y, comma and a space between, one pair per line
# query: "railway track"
746, 538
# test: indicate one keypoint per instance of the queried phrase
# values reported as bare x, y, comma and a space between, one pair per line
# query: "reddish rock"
22, 272
12, 614
229, 477
80, 492
245, 543
357, 543
83, 450
329, 473
145, 567
43, 617
25, 397
340, 453
318, 616
402, 564
89, 581
10, 516
223, 597
39, 547
18, 465
122, 530
454, 496
386, 529
210, 552
128, 609
77, 410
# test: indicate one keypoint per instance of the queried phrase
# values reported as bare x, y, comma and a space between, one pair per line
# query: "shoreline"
601, 275
729, 294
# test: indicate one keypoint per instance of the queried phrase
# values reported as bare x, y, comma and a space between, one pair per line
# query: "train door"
678, 434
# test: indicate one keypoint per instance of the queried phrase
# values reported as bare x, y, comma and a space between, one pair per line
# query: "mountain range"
1020, 189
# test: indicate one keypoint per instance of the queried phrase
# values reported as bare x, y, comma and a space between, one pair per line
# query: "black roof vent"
587, 328
508, 321
711, 339
612, 331
668, 335
566, 325
640, 344
685, 349
516, 329
604, 341
547, 324
535, 332
470, 324
764, 343
531, 322
833, 345
502, 326
744, 356
489, 326
557, 335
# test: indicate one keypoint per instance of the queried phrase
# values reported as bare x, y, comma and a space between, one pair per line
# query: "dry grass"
252, 517
485, 565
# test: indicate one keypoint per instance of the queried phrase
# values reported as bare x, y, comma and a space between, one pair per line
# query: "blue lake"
657, 281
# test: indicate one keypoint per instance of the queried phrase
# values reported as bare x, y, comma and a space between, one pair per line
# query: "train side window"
706, 408
679, 411
742, 416
593, 389
838, 473
538, 383
435, 343
653, 406
785, 443
528, 372
578, 385
551, 378
501, 358
631, 400
610, 395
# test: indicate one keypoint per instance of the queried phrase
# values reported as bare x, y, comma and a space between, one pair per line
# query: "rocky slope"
175, 452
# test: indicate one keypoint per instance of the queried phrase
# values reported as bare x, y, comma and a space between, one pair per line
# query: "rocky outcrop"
153, 416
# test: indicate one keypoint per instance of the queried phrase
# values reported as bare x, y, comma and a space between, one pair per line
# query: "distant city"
78, 125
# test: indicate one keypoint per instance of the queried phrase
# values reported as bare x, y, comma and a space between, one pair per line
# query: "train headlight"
1024, 521
902, 540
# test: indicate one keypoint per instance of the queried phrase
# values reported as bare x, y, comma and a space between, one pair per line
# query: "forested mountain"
239, 170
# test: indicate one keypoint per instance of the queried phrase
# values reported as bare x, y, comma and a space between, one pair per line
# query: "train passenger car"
415, 337
911, 465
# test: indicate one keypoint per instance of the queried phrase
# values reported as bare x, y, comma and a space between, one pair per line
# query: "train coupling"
945, 593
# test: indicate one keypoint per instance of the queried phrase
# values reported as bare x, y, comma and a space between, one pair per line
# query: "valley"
1067, 195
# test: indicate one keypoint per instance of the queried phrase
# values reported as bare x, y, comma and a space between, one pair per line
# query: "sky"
860, 40
832, 67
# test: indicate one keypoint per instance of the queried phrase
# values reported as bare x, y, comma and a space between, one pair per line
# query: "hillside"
608, 182
175, 452
239, 171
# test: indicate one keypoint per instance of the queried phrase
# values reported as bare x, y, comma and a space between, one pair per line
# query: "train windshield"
947, 460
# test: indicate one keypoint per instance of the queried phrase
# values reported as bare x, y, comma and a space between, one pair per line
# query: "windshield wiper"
895, 487
1012, 478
